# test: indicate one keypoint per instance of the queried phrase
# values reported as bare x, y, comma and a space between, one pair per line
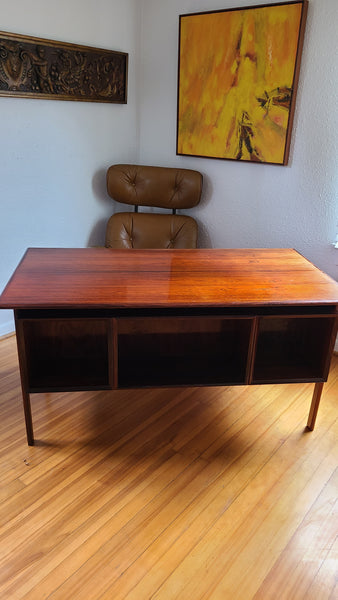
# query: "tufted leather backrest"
163, 187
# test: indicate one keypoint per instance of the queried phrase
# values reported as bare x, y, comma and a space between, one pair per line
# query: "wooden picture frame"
33, 67
238, 72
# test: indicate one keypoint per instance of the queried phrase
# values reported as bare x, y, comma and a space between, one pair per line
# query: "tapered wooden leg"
314, 405
20, 339
28, 418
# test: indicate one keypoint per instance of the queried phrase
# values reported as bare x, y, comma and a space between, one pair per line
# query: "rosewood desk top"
107, 278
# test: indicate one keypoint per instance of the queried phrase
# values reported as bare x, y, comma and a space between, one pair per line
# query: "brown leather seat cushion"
147, 230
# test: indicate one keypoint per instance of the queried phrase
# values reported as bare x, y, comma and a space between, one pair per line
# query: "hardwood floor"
190, 494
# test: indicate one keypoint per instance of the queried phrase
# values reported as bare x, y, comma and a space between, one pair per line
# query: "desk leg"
314, 405
28, 418
20, 339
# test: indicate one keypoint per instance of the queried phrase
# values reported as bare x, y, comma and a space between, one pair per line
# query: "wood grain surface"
102, 277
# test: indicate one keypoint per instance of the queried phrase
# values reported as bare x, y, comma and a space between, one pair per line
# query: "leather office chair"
161, 187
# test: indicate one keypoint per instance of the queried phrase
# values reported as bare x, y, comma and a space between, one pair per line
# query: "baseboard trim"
7, 335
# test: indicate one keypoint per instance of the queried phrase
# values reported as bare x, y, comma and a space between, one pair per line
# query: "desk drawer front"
183, 351
293, 348
65, 354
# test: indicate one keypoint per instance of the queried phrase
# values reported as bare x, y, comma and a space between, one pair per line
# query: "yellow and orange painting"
236, 82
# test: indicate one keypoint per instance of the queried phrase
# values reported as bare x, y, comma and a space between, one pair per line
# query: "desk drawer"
164, 351
66, 354
293, 348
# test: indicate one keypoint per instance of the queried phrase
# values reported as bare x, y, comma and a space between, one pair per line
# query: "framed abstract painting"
238, 71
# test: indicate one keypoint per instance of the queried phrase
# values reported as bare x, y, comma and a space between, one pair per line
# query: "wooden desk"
96, 318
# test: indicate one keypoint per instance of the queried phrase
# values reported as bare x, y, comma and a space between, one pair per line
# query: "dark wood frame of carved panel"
33, 67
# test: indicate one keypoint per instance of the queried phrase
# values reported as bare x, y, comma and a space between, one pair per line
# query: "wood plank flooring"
189, 494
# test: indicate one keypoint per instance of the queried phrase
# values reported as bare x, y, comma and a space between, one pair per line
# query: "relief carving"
47, 69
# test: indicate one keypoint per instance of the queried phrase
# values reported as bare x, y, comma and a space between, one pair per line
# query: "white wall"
243, 204
55, 153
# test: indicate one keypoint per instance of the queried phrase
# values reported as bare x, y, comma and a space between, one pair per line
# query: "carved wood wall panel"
39, 68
